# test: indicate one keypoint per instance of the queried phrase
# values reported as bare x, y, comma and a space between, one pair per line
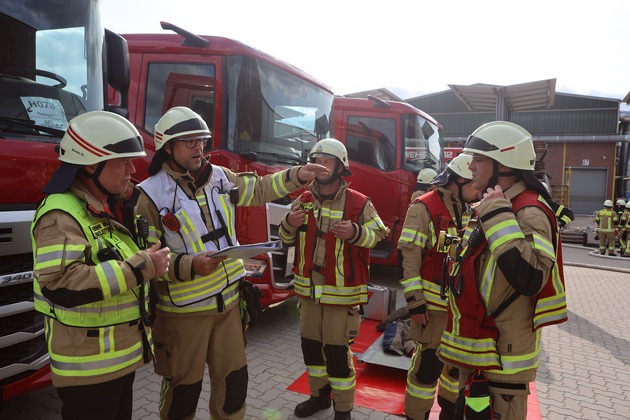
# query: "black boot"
345, 415
314, 404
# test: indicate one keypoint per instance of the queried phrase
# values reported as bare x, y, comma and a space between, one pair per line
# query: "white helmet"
608, 203
459, 165
507, 143
331, 147
620, 202
97, 136
91, 138
177, 122
426, 175
628, 205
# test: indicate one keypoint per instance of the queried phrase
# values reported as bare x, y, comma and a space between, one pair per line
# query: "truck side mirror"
117, 68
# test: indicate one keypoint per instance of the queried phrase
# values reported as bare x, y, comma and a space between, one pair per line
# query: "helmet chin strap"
94, 177
494, 179
172, 157
333, 177
460, 188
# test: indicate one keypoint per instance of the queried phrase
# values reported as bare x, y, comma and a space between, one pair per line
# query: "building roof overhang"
519, 97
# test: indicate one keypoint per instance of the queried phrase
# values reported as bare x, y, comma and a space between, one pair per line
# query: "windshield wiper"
31, 124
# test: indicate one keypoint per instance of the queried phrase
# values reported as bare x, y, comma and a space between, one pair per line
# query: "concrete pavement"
583, 374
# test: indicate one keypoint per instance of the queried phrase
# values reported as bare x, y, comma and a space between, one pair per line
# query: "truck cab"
52, 69
388, 143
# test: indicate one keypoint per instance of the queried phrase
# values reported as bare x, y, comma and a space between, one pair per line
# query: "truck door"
193, 91
373, 151
149, 92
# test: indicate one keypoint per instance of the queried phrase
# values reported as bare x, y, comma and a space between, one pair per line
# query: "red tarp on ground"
382, 388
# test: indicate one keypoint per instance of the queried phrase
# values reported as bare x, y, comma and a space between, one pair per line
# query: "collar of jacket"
94, 206
187, 178
314, 188
517, 188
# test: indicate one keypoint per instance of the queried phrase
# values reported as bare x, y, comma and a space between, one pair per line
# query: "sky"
414, 47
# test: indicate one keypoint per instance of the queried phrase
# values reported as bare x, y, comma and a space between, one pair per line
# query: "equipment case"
381, 301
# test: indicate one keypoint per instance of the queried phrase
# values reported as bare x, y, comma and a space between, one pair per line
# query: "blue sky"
415, 47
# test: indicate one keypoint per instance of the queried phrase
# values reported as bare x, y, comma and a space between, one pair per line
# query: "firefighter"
423, 182
442, 209
606, 220
90, 274
333, 228
506, 280
624, 231
190, 205
620, 206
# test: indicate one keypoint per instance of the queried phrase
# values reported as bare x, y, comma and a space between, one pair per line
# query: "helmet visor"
193, 124
476, 143
130, 145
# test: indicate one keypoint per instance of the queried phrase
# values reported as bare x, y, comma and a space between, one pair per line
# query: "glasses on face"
192, 142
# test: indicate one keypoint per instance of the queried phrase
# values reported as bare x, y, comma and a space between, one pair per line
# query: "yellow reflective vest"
106, 331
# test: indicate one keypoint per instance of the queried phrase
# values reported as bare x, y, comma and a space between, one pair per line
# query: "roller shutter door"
587, 190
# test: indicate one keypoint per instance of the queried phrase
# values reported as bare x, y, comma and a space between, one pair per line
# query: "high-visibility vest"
202, 292
117, 307
346, 269
606, 219
470, 336
432, 260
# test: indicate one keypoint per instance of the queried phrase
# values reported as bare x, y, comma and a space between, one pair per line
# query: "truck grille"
23, 353
11, 264
28, 322
16, 289
16, 293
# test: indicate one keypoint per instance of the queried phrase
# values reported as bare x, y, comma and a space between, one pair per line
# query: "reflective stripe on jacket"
430, 277
346, 268
117, 307
99, 341
606, 219
201, 293
471, 334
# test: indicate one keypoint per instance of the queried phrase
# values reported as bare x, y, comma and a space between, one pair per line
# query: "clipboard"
248, 251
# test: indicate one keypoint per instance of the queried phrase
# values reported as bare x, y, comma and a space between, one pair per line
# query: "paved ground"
583, 374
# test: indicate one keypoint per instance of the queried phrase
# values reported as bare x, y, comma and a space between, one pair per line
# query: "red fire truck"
388, 143
265, 115
51, 69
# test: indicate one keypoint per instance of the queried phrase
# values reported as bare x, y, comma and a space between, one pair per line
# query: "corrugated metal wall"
570, 115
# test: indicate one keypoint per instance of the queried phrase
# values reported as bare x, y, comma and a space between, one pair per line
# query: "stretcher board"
377, 356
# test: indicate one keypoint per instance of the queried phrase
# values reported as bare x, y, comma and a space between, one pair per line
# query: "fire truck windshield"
274, 115
51, 66
424, 144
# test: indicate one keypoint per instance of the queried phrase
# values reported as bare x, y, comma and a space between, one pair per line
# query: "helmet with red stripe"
91, 138
98, 136
180, 122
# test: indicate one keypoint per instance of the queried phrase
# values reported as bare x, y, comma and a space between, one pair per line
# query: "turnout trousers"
184, 345
604, 238
427, 371
112, 400
327, 332
507, 403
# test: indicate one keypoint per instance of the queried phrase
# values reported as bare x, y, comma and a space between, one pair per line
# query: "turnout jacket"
205, 213
92, 307
317, 249
427, 215
606, 219
518, 256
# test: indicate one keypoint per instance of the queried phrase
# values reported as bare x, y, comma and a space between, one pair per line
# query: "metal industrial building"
583, 140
